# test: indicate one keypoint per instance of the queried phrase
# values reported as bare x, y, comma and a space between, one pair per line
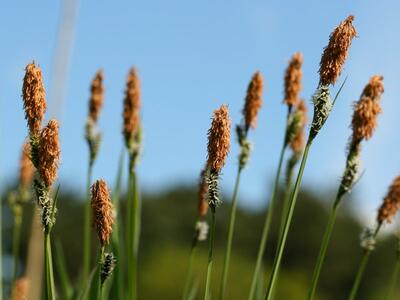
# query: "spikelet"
49, 153
298, 141
335, 54
96, 96
253, 101
219, 136
102, 211
20, 289
26, 168
391, 203
33, 95
107, 266
202, 206
352, 170
293, 76
367, 109
132, 103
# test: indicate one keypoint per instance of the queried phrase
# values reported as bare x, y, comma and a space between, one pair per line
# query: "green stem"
230, 236
189, 269
282, 240
48, 260
134, 234
361, 269
394, 279
285, 207
16, 240
323, 249
267, 223
100, 284
86, 230
210, 255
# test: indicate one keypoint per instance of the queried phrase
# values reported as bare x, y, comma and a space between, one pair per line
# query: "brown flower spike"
293, 76
202, 195
336, 52
131, 113
33, 95
253, 101
26, 168
297, 144
219, 139
367, 109
391, 203
102, 211
20, 289
49, 153
96, 96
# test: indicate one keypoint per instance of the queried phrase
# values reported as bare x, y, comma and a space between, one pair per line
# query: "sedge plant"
292, 88
386, 214
200, 231
93, 139
331, 65
363, 124
102, 210
45, 156
132, 136
219, 137
253, 102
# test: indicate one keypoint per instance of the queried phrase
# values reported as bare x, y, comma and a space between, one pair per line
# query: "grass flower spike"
49, 153
96, 96
253, 101
26, 169
202, 206
293, 77
391, 203
33, 95
20, 289
102, 211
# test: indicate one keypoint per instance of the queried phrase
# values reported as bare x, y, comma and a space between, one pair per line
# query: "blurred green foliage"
167, 228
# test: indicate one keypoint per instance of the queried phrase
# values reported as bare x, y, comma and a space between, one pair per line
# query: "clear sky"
193, 56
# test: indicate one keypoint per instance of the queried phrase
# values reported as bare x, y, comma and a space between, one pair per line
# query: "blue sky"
193, 56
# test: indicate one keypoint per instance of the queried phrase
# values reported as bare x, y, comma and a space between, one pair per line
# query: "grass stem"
230, 236
49, 276
394, 278
210, 255
282, 240
86, 229
189, 269
267, 223
323, 249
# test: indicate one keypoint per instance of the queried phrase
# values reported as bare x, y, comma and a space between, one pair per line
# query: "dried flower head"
26, 168
253, 100
131, 113
391, 203
96, 96
298, 141
20, 289
336, 52
202, 207
367, 109
219, 139
33, 95
293, 76
102, 211
49, 153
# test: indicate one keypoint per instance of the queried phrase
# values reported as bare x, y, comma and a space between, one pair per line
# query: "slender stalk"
361, 269
282, 240
86, 229
285, 207
230, 236
100, 284
16, 240
267, 223
394, 279
133, 234
210, 255
323, 249
193, 251
49, 277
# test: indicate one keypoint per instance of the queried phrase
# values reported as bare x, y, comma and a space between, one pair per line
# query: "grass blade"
66, 286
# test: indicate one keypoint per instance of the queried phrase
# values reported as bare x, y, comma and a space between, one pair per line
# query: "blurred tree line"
167, 227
